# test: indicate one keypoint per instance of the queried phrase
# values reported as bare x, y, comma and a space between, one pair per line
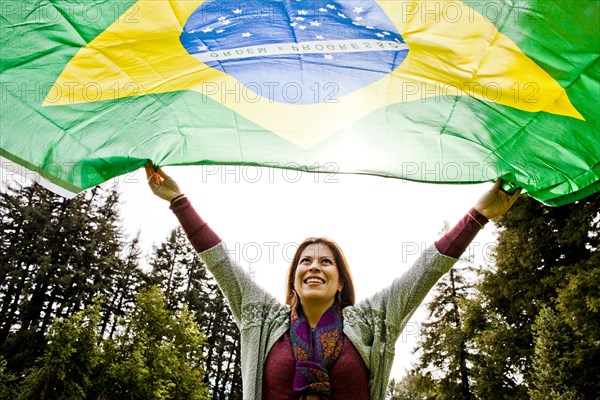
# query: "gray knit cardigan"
373, 325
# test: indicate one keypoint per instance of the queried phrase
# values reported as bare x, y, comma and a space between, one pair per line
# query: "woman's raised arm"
200, 235
393, 306
237, 286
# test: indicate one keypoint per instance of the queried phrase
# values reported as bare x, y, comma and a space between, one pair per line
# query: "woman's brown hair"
347, 294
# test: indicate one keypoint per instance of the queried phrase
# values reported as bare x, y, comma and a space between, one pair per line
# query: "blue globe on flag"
296, 51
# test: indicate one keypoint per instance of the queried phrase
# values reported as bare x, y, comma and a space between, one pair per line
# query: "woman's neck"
313, 311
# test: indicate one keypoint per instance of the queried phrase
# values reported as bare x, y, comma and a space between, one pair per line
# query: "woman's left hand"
495, 201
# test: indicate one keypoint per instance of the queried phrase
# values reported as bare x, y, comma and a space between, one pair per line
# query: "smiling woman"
320, 345
319, 286
323, 260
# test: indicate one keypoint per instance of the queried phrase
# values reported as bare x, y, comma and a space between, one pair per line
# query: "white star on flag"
315, 23
246, 34
237, 11
358, 10
328, 57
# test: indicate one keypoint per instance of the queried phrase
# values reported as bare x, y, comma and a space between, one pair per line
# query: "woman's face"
317, 278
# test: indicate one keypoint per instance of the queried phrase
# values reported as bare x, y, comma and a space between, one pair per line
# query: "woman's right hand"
161, 184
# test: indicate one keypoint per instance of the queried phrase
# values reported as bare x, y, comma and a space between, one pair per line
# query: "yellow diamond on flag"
440, 49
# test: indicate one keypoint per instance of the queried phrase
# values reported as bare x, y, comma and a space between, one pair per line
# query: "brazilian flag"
433, 91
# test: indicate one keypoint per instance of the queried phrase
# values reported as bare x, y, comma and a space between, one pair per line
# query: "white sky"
381, 224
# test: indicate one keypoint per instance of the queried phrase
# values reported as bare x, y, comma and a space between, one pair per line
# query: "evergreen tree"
155, 356
532, 329
444, 354
125, 285
539, 250
9, 382
159, 355
177, 270
72, 361
223, 347
566, 338
172, 262
413, 386
25, 222
552, 375
444, 340
578, 306
56, 256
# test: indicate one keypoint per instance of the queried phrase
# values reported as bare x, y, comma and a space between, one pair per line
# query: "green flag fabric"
432, 91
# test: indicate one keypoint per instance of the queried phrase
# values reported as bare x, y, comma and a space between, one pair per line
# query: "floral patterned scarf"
315, 351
